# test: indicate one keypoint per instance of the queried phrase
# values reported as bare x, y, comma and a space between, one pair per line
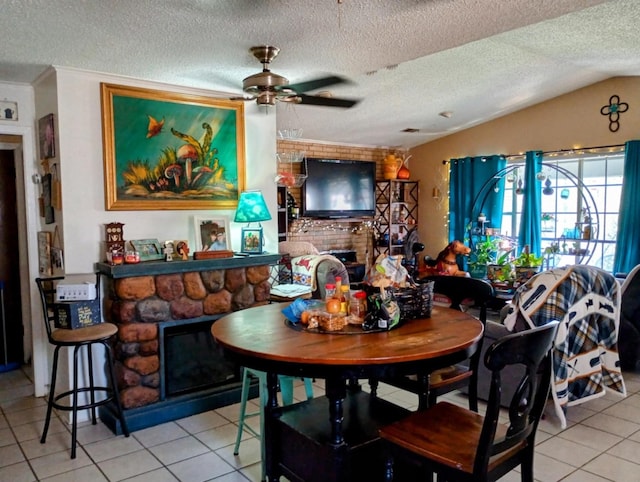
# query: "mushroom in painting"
173, 171
186, 155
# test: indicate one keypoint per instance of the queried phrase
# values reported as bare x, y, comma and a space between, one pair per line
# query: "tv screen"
339, 188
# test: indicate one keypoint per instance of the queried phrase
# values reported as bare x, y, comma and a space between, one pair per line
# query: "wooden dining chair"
461, 445
456, 289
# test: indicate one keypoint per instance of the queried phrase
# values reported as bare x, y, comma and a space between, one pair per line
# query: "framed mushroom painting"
165, 150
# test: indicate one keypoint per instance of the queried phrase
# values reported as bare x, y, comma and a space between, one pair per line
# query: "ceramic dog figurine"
445, 263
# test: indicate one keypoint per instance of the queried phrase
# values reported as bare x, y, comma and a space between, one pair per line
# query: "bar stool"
286, 389
78, 338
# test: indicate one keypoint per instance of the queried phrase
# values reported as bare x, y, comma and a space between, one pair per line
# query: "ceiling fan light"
267, 98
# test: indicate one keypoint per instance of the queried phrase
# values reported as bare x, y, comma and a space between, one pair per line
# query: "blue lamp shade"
251, 208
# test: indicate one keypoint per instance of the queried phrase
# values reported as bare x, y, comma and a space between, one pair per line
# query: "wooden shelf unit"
397, 214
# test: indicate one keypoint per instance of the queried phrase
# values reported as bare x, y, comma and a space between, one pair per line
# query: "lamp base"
252, 240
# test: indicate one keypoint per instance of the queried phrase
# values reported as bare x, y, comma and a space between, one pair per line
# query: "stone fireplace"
168, 365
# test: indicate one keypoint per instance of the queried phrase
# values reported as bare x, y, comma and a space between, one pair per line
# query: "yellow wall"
570, 121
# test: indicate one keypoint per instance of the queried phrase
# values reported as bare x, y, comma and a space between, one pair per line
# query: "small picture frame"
149, 249
251, 240
212, 234
46, 136
44, 253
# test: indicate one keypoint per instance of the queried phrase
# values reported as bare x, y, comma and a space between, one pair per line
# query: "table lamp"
252, 208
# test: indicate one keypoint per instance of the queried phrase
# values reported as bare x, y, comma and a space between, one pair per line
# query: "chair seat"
449, 375
101, 331
445, 433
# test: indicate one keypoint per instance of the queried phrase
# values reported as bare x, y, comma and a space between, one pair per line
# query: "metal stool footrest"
95, 390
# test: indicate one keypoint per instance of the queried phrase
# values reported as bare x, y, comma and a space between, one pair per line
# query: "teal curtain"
472, 180
530, 232
627, 245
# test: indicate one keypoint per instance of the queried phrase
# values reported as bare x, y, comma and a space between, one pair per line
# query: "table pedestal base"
304, 439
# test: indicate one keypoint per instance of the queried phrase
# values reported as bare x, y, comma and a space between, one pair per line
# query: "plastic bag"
293, 312
384, 313
388, 271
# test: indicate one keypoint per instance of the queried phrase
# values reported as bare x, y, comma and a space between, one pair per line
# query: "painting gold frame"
165, 150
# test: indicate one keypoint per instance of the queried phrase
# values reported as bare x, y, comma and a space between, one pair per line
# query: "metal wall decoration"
8, 110
613, 110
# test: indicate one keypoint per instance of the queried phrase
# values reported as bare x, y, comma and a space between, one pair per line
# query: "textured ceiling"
409, 60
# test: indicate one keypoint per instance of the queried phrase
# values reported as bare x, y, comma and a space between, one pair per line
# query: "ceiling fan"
267, 87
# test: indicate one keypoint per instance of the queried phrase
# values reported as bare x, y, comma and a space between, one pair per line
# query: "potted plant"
526, 265
482, 255
501, 273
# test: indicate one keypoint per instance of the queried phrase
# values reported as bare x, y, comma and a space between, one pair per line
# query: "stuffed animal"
445, 263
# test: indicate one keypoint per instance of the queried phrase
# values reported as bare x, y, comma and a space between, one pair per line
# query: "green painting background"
131, 123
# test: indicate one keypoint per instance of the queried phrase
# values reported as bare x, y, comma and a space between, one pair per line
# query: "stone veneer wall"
138, 304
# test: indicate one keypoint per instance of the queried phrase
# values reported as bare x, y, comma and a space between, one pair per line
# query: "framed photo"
149, 249
251, 240
46, 136
49, 213
44, 253
165, 150
212, 234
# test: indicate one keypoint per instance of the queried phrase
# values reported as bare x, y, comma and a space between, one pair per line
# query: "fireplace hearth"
168, 364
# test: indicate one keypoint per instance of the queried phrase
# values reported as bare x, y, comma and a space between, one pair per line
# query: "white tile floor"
602, 442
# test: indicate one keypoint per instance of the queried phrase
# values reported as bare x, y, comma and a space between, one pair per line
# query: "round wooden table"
260, 338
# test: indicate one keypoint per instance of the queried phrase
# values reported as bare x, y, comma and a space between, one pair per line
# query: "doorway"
11, 327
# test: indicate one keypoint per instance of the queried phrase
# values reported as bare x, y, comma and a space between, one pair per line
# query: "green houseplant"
526, 265
528, 259
501, 273
482, 255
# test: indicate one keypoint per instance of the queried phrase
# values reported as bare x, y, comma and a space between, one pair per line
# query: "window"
580, 203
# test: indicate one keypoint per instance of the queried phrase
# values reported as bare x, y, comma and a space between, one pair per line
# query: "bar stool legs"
286, 389
110, 391
51, 401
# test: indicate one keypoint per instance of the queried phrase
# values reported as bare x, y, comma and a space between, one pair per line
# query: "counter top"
151, 268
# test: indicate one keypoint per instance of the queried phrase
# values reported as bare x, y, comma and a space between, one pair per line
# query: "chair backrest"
461, 288
531, 349
586, 301
629, 333
47, 289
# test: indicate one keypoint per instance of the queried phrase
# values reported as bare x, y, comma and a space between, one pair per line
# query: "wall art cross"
613, 110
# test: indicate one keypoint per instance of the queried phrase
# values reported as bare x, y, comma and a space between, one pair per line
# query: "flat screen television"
338, 188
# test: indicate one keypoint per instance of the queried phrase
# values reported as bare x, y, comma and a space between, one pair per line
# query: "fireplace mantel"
148, 302
152, 268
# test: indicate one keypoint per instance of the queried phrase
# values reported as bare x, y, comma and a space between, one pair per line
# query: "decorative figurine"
183, 250
114, 237
168, 251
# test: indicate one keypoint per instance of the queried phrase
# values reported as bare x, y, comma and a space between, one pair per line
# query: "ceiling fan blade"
326, 101
243, 97
301, 87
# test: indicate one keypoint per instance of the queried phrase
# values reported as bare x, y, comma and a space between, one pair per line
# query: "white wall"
73, 97
81, 163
